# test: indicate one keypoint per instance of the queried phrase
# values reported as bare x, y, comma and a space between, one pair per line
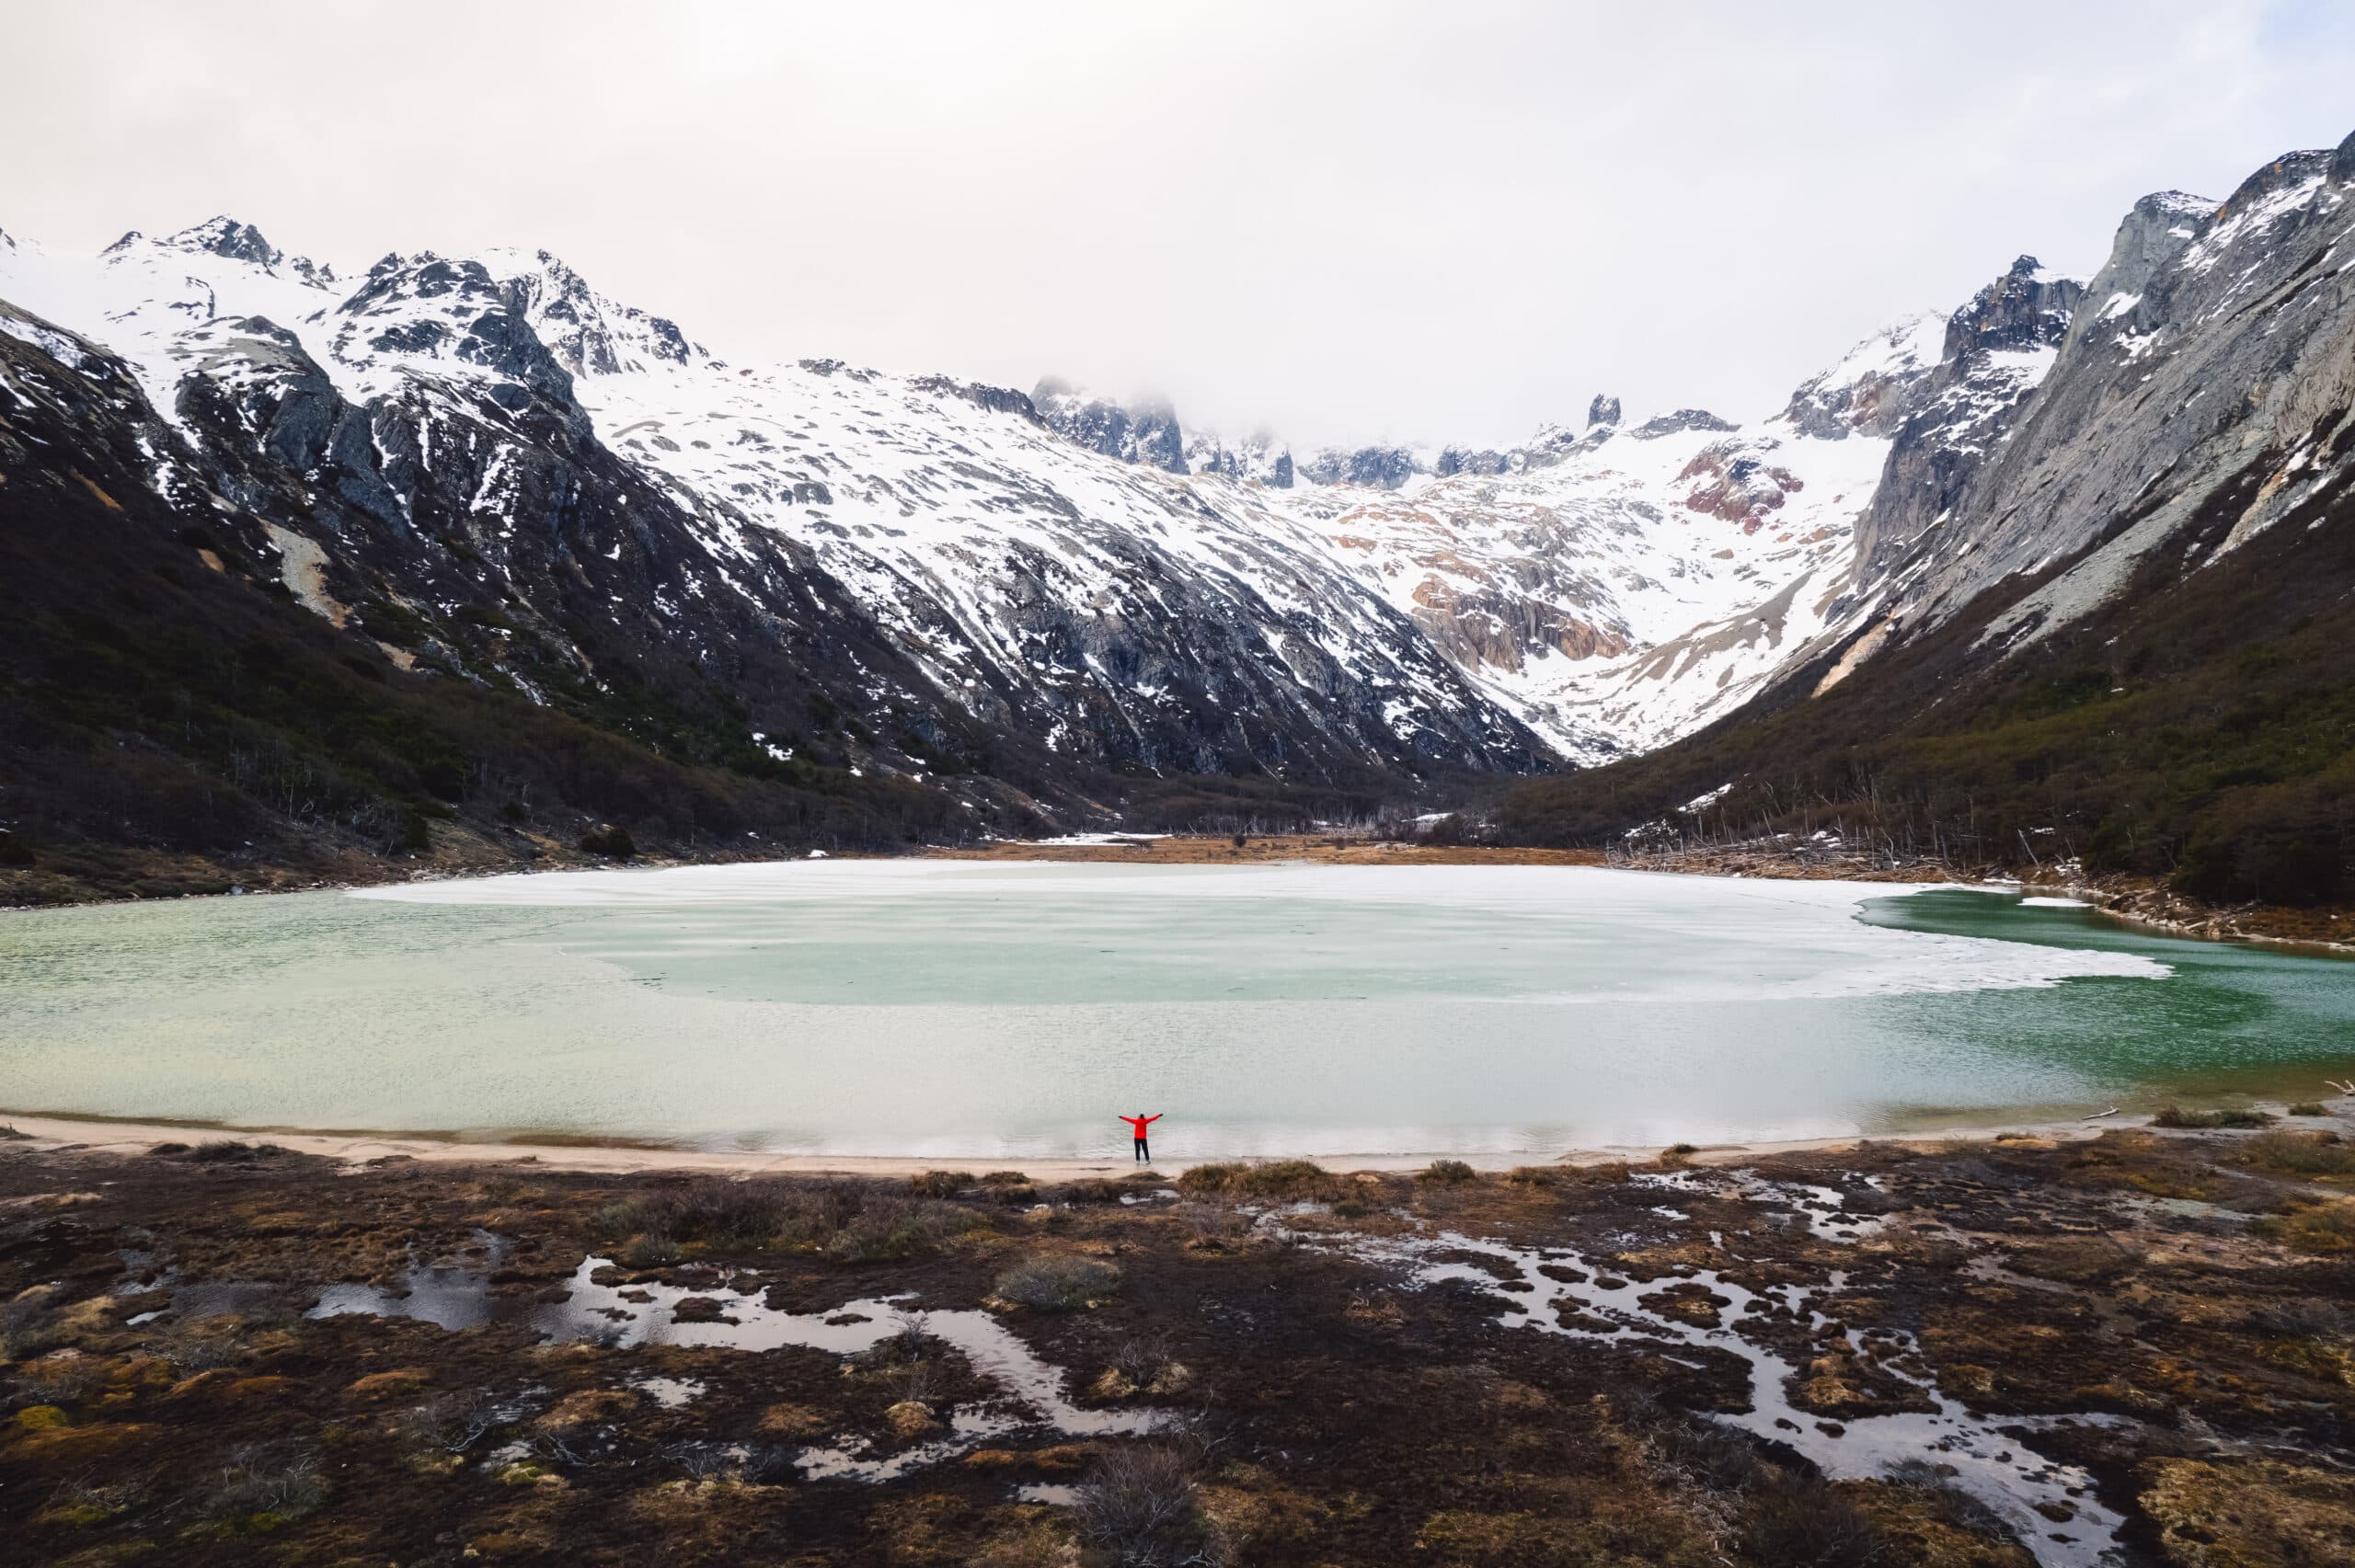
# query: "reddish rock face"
1498, 628
1735, 486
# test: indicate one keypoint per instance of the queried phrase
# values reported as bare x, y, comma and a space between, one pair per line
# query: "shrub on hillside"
709, 1209
265, 1485
889, 1231
1140, 1505
1058, 1283
1286, 1179
2316, 1228
228, 1151
612, 842
2300, 1154
2177, 1117
649, 1251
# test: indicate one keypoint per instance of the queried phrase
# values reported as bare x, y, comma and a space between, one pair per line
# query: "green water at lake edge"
1010, 1012
2234, 1021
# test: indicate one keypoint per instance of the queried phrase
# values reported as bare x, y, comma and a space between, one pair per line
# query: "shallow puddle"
1987, 1455
449, 1296
1030, 1392
446, 1298
1824, 1211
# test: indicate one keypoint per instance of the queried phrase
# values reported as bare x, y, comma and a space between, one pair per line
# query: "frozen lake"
966, 1009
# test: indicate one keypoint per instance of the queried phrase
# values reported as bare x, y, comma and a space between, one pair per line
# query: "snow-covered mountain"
1057, 566
1112, 612
1616, 585
1621, 586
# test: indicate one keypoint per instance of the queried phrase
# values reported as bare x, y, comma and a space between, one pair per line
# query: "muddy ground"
1261, 1365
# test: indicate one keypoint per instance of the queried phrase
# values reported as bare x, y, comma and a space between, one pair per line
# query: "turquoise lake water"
966, 1009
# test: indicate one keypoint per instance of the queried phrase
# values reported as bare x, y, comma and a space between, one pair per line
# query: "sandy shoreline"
109, 1136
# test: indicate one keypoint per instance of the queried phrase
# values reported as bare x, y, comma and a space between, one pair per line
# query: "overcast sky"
1349, 222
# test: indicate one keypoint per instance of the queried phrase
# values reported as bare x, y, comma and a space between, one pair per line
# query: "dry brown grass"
1295, 1179
2298, 1153
2325, 1228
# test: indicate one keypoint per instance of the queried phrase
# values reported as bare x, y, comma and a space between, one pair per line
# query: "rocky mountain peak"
2027, 307
2152, 235
1680, 420
1382, 467
587, 333
1484, 462
1603, 410
1261, 457
1874, 385
1147, 432
2287, 172
226, 237
432, 307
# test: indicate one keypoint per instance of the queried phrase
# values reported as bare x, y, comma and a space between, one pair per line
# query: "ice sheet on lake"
1741, 939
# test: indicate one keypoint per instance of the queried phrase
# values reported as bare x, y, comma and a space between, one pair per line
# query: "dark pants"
1143, 1152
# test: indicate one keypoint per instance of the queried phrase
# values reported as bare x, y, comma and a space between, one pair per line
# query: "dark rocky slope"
172, 718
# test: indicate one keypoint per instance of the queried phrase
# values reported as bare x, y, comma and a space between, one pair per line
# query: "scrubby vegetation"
851, 1221
2325, 1227
2299, 1153
2177, 1117
1140, 1505
1291, 1179
1056, 1283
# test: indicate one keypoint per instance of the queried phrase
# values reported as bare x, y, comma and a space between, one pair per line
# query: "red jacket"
1138, 1124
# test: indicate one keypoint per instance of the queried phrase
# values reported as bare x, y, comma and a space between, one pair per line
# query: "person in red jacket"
1137, 1124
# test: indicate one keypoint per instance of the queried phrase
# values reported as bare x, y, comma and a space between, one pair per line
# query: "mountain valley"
457, 557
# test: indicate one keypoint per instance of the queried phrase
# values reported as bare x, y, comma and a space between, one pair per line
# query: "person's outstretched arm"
1154, 1118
